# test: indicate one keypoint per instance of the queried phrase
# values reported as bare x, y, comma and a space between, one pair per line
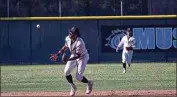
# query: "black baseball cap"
128, 29
75, 31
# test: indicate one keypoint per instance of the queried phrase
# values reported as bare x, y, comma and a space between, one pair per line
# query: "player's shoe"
128, 65
124, 71
73, 89
89, 87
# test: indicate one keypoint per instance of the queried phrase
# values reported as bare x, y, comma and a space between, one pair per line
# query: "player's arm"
54, 57
120, 44
134, 43
78, 51
62, 50
131, 44
66, 58
75, 57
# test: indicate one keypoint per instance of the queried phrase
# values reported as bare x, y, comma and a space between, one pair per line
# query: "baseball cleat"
73, 89
124, 71
128, 65
89, 87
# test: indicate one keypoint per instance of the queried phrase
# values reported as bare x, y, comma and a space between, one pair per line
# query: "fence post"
8, 8
31, 54
121, 7
59, 7
98, 42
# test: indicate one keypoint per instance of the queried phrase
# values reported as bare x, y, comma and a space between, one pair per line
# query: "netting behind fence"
25, 8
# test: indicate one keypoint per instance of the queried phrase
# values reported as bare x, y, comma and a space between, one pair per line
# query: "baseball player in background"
128, 43
78, 58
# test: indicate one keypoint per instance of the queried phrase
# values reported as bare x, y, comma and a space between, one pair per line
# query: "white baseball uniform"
127, 54
77, 47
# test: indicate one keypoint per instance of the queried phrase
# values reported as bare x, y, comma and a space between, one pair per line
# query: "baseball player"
128, 43
78, 58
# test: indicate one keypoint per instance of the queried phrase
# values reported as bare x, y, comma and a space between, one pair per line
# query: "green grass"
146, 76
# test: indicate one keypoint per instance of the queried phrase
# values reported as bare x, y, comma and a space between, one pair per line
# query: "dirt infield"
140, 93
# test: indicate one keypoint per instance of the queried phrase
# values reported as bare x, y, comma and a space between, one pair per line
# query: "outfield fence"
21, 42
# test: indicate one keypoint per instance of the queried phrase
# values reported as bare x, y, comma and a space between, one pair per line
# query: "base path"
135, 93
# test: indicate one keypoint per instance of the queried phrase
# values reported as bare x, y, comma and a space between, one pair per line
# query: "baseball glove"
64, 58
53, 57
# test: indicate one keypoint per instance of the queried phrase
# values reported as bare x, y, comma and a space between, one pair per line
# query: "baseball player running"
128, 42
78, 58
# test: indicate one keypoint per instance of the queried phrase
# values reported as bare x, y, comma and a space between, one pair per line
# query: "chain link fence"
25, 8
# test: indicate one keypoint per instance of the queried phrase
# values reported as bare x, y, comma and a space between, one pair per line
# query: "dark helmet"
129, 32
75, 31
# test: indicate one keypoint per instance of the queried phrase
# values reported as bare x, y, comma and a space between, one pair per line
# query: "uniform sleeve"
79, 47
66, 44
66, 39
121, 43
133, 42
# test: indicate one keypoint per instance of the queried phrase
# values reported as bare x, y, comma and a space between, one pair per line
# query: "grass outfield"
140, 76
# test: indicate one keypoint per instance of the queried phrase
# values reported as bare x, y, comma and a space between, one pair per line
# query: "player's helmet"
75, 31
129, 32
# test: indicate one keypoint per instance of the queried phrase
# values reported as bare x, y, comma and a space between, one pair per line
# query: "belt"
129, 48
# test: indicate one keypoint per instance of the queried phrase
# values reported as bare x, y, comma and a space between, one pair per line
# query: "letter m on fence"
145, 38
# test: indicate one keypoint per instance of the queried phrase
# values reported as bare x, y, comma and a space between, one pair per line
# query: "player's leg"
124, 59
129, 57
80, 70
79, 74
68, 69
